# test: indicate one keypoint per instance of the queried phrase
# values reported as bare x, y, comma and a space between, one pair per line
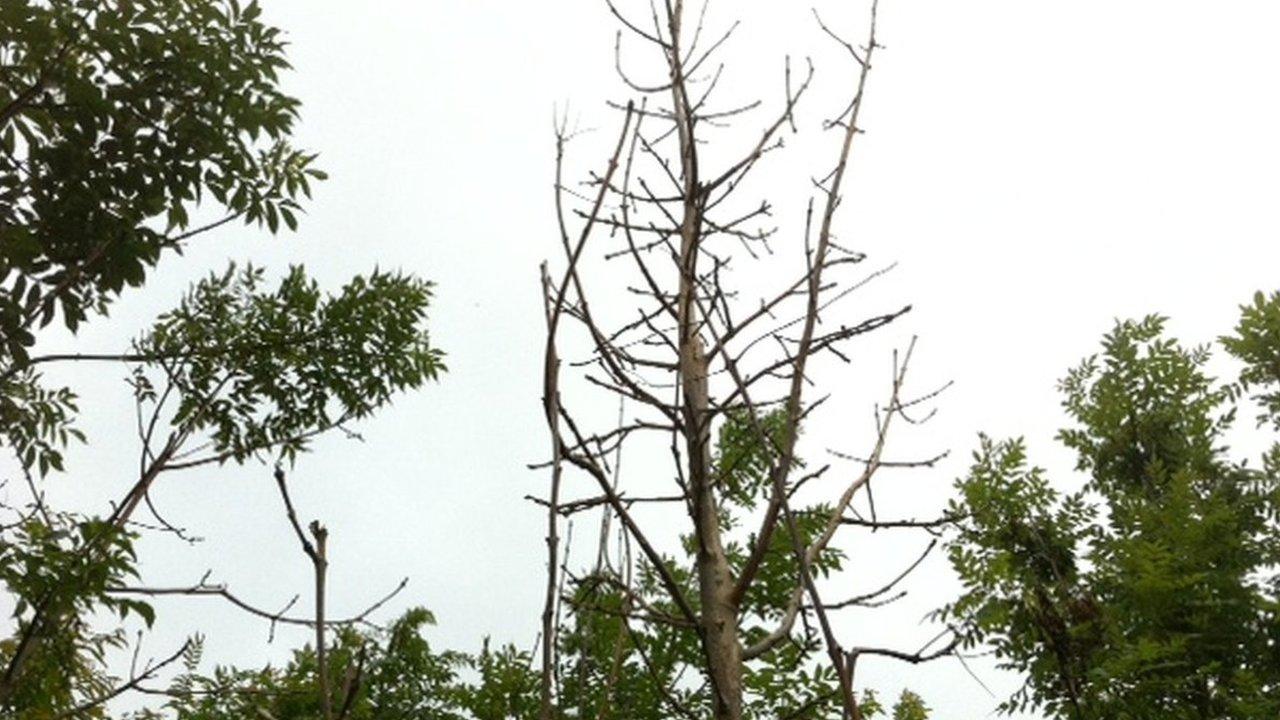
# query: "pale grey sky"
1035, 168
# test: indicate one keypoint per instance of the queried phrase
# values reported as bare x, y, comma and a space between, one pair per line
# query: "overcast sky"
1035, 169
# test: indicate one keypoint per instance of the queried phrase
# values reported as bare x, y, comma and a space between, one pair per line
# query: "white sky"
1035, 168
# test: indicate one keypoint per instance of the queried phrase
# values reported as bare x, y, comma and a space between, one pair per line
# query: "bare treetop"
719, 374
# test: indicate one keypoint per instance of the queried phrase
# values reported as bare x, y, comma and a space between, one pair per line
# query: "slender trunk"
320, 560
551, 407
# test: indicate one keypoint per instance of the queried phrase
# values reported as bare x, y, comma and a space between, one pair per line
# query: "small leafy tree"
1151, 591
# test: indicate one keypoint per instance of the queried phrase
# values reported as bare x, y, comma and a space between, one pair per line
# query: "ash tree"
117, 121
1151, 590
729, 617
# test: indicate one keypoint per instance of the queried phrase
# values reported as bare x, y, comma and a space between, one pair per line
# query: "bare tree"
698, 359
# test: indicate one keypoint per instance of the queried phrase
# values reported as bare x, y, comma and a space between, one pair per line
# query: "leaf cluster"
116, 119
261, 368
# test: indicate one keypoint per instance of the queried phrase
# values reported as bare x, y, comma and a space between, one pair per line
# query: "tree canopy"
1151, 590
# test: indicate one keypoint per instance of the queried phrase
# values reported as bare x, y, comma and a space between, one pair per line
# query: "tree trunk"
719, 611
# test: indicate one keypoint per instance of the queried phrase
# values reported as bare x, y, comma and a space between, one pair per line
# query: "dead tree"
698, 353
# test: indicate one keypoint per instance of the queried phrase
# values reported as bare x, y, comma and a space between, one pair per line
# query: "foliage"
910, 706
743, 461
57, 560
1151, 591
37, 422
507, 686
263, 369
115, 119
402, 679
1256, 343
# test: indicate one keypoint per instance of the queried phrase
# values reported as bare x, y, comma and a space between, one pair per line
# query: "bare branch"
866, 597
203, 589
133, 683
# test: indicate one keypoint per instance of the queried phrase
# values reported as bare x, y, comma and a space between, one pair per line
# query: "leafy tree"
1150, 592
116, 120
